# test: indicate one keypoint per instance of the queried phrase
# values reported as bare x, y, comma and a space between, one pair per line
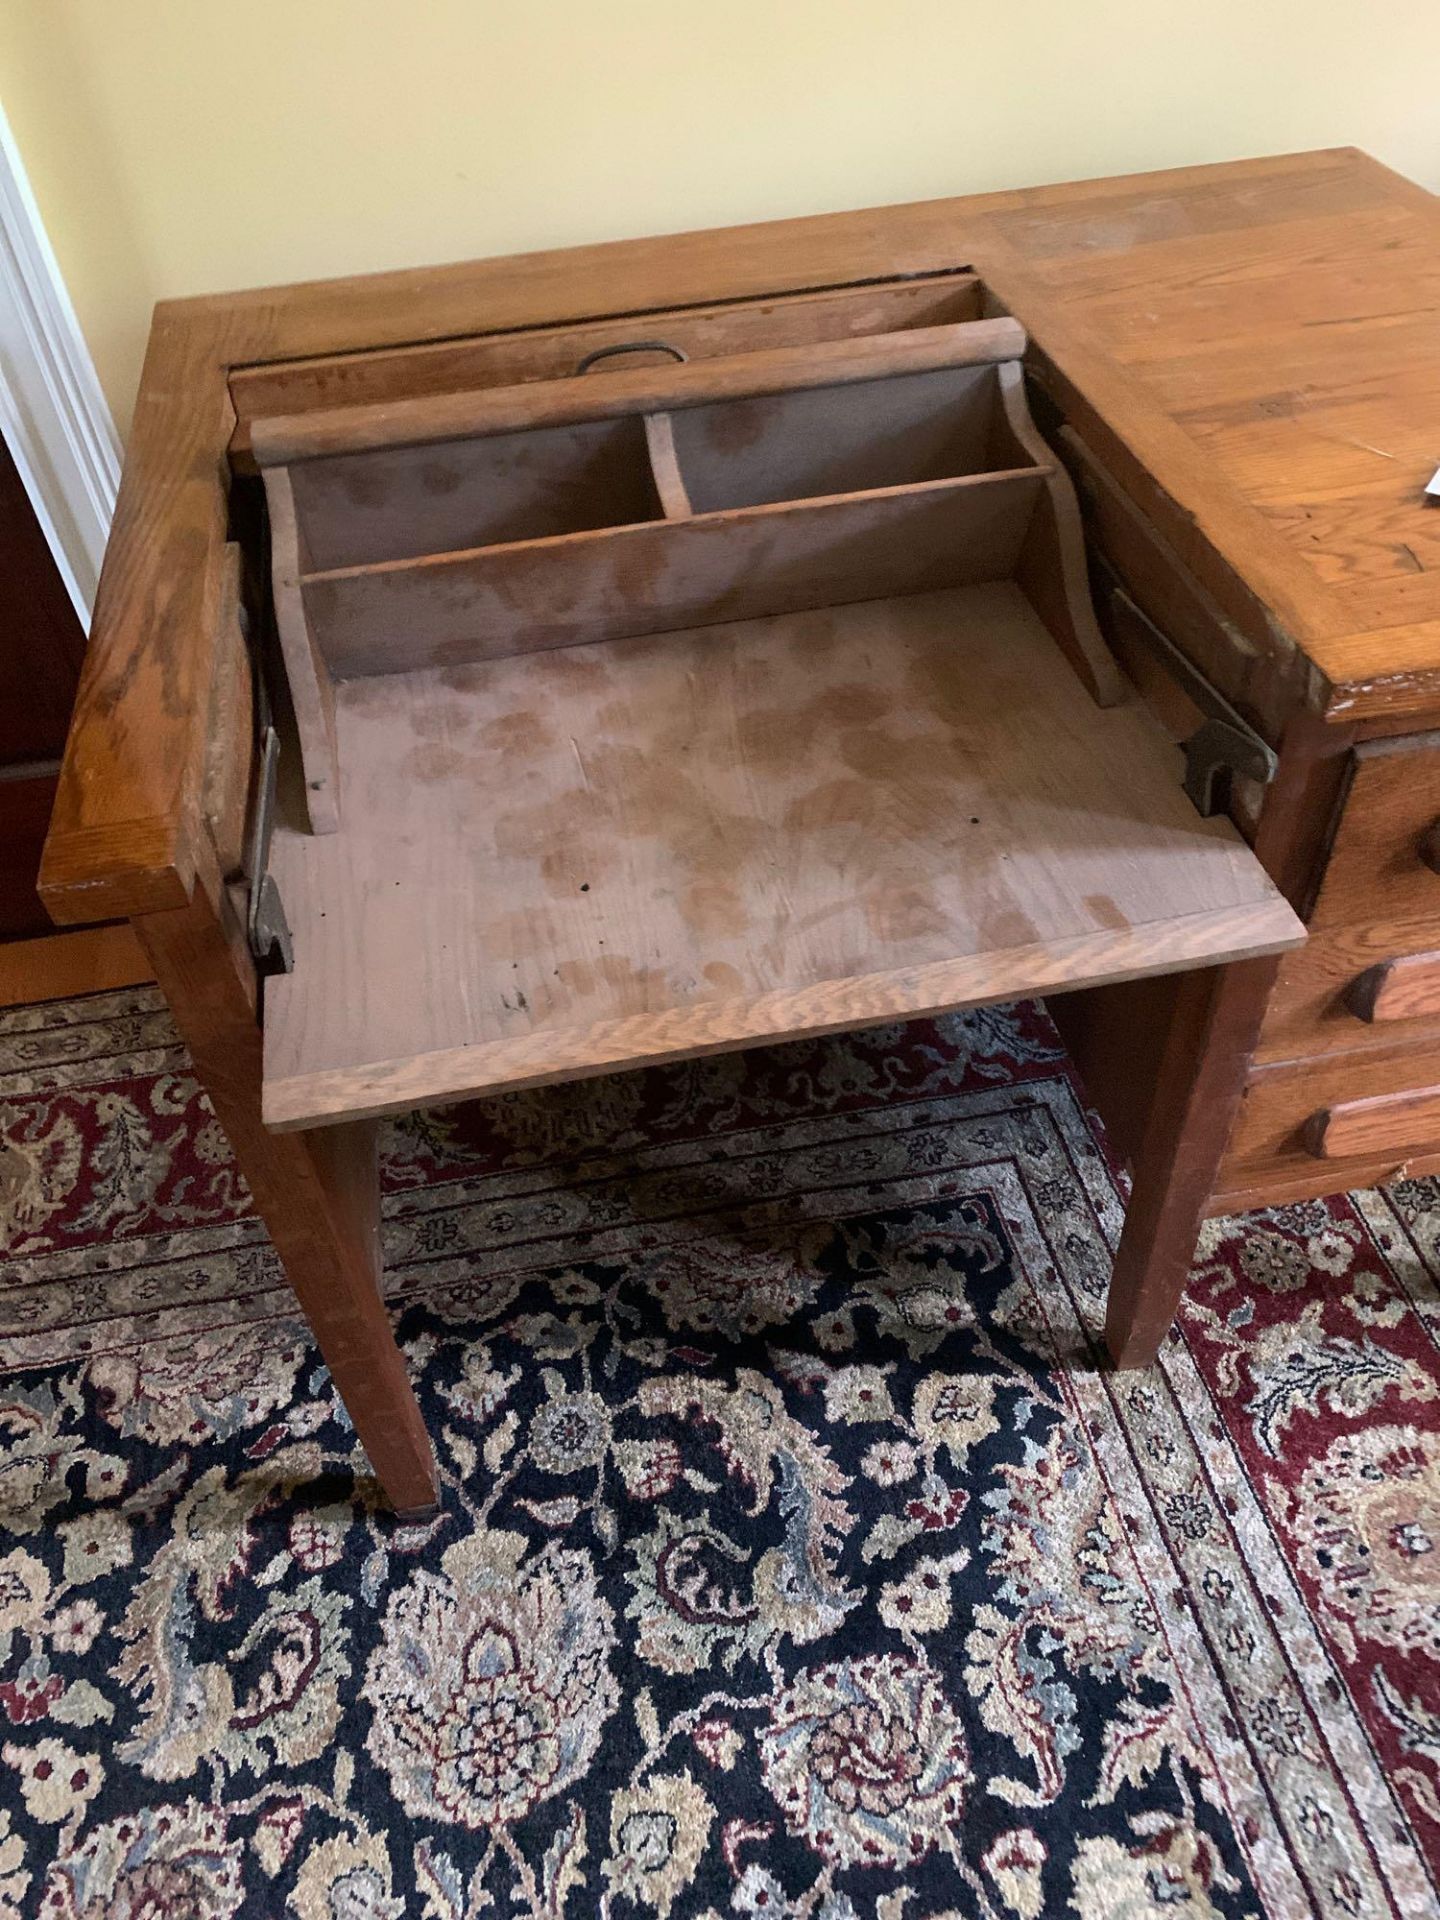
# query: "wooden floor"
61, 966
569, 861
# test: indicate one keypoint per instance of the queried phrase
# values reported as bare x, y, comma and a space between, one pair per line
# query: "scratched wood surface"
550, 353
563, 862
1211, 331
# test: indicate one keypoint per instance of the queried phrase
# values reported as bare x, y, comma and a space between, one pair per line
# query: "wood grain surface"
1404, 988
563, 862
1170, 315
1380, 1123
448, 609
549, 353
619, 390
318, 1195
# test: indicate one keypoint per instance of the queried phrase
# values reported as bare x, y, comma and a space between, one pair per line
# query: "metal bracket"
266, 927
1224, 745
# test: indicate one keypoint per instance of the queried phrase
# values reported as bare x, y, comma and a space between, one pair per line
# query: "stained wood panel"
1227, 253
537, 594
1314, 1007
549, 353
563, 862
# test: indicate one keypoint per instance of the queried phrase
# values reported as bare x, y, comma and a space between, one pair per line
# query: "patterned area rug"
797, 1557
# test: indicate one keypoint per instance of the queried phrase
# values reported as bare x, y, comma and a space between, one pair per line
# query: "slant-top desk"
687, 642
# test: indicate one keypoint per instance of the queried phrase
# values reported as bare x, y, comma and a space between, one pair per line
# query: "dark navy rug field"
797, 1558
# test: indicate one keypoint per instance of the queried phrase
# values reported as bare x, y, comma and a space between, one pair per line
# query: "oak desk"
1237, 364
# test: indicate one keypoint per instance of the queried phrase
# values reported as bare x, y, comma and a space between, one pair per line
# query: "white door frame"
53, 415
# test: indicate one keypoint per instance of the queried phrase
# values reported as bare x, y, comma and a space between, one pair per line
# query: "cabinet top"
1252, 348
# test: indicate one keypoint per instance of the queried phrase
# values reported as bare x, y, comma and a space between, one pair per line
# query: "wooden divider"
450, 609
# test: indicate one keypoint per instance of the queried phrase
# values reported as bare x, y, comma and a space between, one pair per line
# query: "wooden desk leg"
1203, 1063
317, 1192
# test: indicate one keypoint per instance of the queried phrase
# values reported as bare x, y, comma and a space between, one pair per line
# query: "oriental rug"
797, 1557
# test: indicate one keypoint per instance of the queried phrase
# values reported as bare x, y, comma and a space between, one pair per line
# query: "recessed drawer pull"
593, 358
1406, 988
1390, 1123
1430, 848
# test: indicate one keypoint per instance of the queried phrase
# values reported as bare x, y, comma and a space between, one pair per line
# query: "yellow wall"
185, 146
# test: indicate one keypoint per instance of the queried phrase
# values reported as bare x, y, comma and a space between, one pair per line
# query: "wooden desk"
1240, 370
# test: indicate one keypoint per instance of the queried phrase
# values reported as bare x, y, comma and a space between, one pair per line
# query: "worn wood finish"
605, 394
307, 670
1051, 567
1145, 298
1117, 1035
61, 966
365, 508
1215, 1018
564, 862
1256, 669
550, 353
1240, 350
317, 1194
1377, 868
818, 441
452, 609
1388, 1123
1346, 988
1303, 1178
230, 729
1271, 1138
1407, 988
665, 467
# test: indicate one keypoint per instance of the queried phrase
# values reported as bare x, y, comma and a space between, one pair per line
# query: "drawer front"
1370, 973
1323, 1125
1357, 988
1385, 859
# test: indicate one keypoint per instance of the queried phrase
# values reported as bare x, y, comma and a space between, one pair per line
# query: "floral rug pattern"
797, 1558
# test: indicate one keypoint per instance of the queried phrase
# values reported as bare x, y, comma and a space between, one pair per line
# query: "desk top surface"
1253, 345
588, 858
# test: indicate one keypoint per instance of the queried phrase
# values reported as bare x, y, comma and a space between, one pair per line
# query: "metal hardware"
266, 928
1224, 745
1432, 492
630, 346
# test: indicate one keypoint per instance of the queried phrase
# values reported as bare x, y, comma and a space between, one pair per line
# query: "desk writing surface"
568, 861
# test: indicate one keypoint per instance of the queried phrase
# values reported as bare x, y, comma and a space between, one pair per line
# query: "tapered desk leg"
317, 1192
1203, 1063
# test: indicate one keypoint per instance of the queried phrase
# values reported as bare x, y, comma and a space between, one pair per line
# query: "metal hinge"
1224, 745
266, 927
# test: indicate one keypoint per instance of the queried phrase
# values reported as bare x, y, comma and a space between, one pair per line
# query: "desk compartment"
409, 503
639, 501
819, 441
827, 736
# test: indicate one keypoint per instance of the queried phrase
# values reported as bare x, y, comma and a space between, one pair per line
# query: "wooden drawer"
1380, 861
1370, 972
1326, 1125
1353, 989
